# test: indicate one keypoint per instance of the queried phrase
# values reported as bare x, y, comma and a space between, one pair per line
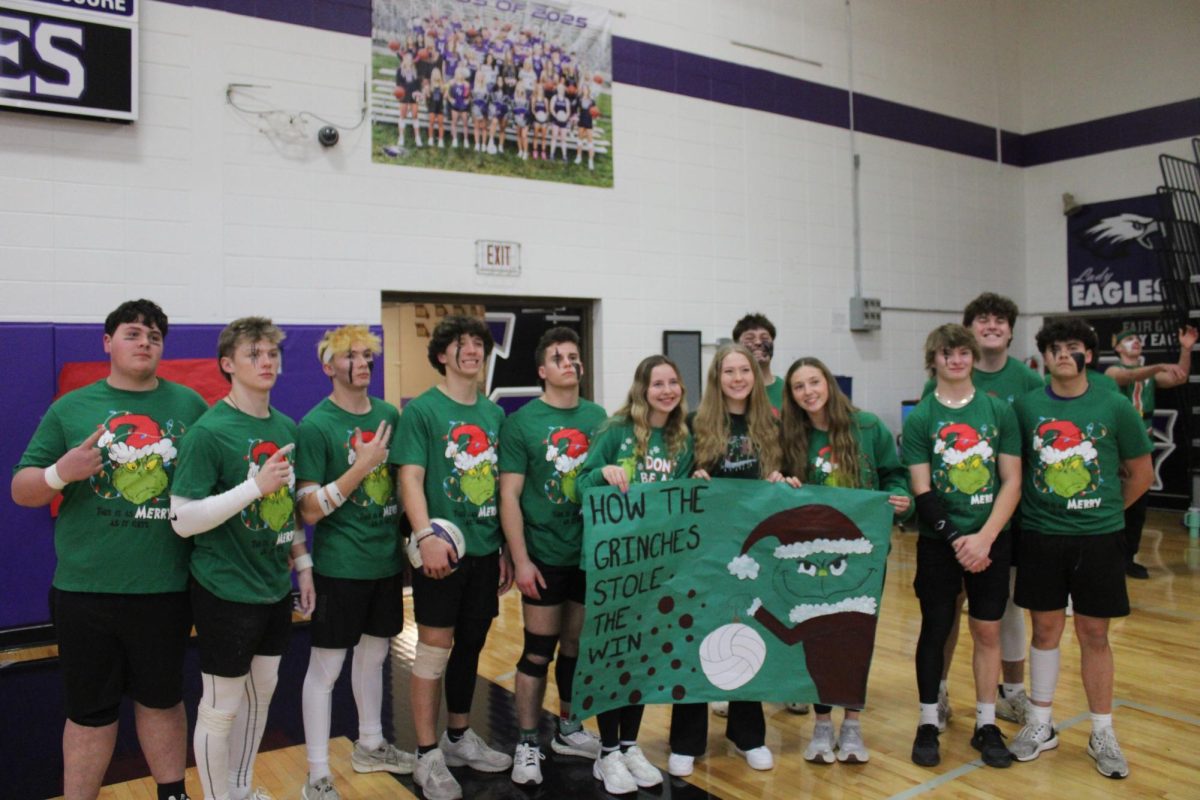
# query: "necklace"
229, 399
954, 403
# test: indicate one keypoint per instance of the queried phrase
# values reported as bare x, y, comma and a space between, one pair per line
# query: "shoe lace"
1106, 745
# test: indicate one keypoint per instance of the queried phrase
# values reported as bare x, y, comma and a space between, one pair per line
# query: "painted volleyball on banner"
732, 655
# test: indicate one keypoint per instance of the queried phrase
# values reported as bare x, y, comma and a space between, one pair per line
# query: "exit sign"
497, 258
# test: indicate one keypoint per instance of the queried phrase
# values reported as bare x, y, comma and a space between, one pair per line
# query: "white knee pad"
1043, 674
1013, 638
430, 661
214, 721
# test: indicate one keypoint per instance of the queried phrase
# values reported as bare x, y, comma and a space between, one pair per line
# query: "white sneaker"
850, 746
441, 143
471, 751
1014, 707
680, 765
797, 708
1032, 740
580, 743
491, 148
260, 794
758, 757
385, 758
420, 143
321, 790
644, 773
434, 778
1110, 761
820, 749
944, 711
591, 166
612, 771
454, 142
719, 707
578, 160
527, 764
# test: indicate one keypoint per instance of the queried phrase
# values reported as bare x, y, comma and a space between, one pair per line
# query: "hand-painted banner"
730, 590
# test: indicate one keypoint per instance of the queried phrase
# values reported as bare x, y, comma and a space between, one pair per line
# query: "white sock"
1009, 689
1101, 722
366, 681
316, 700
251, 721
1043, 674
985, 714
942, 687
1042, 714
929, 714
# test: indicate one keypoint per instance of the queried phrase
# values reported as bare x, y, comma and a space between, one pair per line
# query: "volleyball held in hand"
732, 655
442, 529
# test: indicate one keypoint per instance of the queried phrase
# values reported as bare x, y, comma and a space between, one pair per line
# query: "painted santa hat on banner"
958, 442
1060, 439
802, 533
131, 437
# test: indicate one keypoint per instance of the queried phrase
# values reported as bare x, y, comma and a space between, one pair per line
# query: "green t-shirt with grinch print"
962, 448
245, 558
457, 446
113, 532
879, 466
1073, 449
1008, 383
362, 538
615, 444
548, 446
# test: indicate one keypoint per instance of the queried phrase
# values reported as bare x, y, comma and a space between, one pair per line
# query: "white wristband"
52, 479
306, 491
303, 562
330, 498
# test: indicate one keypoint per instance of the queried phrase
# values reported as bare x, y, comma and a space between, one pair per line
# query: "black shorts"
232, 634
1088, 568
467, 593
940, 577
110, 645
347, 608
1014, 530
562, 584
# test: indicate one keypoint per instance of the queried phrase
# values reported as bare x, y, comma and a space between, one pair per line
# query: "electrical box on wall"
864, 314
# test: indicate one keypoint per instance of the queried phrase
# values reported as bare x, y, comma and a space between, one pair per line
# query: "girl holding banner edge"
646, 440
820, 431
735, 436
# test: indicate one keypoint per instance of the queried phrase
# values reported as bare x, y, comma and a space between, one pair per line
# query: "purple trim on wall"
1119, 132
342, 16
917, 126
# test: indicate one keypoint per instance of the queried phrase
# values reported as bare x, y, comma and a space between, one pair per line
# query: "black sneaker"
1136, 570
925, 747
989, 741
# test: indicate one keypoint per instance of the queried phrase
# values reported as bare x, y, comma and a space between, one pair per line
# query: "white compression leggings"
366, 681
1013, 638
229, 728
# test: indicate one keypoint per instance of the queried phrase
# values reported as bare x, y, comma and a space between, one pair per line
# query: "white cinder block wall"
716, 210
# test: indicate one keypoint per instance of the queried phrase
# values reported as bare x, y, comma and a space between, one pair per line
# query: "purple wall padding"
31, 356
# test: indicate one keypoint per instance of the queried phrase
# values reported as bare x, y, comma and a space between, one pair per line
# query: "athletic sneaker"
1032, 739
580, 743
1110, 761
1013, 707
321, 790
385, 758
434, 778
644, 773
527, 764
850, 746
611, 769
797, 708
820, 749
925, 747
473, 752
989, 741
719, 707
758, 757
260, 794
1137, 571
944, 710
680, 766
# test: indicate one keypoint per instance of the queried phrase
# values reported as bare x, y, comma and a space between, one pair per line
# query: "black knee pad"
537, 644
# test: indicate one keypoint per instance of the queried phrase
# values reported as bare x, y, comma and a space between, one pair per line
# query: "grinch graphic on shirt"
966, 461
566, 449
377, 486
139, 455
472, 452
275, 510
826, 471
1067, 463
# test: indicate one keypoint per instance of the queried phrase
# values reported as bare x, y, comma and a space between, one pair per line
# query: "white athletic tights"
229, 728
366, 681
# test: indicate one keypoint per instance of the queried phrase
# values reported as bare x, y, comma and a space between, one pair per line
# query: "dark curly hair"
453, 328
144, 311
990, 303
1066, 330
750, 322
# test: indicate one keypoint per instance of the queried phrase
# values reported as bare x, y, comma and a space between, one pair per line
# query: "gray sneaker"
1032, 740
385, 758
321, 790
434, 778
1110, 761
1014, 707
944, 710
580, 743
850, 746
527, 764
820, 749
473, 752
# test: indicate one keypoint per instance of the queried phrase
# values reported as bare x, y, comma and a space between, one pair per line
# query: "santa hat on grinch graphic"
364, 437
958, 442
1060, 439
567, 448
824, 460
471, 453
259, 455
132, 437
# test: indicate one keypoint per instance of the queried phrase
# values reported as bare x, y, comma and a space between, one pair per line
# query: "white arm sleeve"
189, 517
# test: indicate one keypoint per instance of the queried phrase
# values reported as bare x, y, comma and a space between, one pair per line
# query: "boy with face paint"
542, 449
234, 492
119, 595
446, 446
757, 334
347, 489
1138, 382
1087, 458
